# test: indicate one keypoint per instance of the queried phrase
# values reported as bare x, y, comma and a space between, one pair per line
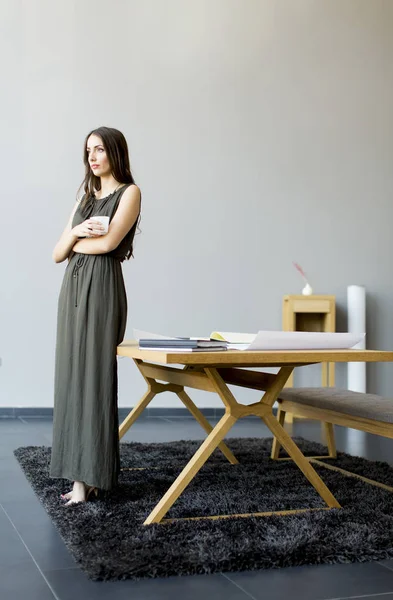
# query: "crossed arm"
124, 219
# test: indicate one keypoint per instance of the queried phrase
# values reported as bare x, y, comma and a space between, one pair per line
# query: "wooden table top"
260, 358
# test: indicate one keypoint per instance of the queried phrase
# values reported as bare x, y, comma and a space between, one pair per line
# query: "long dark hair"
116, 148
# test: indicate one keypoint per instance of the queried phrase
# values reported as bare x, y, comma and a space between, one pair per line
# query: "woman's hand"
89, 228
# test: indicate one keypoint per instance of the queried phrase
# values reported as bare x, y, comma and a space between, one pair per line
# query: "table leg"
275, 445
204, 423
192, 468
302, 462
136, 411
329, 434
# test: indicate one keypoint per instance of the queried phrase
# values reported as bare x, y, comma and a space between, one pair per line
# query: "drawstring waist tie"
79, 263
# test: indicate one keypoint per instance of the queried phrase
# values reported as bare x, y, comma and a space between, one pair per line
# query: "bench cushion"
368, 406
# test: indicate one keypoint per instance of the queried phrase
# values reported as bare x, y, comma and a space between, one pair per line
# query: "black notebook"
181, 343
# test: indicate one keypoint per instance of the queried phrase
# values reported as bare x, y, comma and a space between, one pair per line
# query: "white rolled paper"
356, 305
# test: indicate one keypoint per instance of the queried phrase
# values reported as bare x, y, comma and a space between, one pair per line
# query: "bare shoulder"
132, 192
125, 216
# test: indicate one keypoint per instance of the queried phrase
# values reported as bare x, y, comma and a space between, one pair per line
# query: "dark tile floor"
35, 564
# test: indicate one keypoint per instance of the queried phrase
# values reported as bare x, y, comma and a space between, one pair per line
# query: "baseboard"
47, 412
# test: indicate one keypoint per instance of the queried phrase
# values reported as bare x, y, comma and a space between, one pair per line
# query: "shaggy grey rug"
108, 540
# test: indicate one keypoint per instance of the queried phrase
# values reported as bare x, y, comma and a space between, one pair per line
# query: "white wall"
260, 132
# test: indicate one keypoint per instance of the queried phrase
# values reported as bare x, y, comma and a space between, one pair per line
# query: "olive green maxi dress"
91, 322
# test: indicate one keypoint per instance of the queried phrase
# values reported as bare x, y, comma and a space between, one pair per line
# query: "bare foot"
78, 493
67, 496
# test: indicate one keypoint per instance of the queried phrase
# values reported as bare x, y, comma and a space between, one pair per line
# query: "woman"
92, 315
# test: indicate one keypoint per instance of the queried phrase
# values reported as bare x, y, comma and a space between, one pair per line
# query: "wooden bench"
333, 406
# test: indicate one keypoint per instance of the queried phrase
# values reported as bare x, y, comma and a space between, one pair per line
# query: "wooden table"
212, 372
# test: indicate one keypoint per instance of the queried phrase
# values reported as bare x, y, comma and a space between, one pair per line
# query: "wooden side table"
310, 313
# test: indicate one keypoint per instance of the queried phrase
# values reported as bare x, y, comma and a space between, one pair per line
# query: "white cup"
103, 220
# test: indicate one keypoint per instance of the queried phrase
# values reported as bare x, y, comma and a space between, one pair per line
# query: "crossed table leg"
216, 380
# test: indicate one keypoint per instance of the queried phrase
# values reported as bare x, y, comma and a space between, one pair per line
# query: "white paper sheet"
303, 340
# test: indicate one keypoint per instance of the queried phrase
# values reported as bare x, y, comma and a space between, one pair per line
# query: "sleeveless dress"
91, 322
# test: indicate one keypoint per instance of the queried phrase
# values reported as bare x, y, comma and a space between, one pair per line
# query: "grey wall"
260, 132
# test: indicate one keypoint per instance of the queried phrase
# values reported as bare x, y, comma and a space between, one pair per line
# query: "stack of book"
182, 344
